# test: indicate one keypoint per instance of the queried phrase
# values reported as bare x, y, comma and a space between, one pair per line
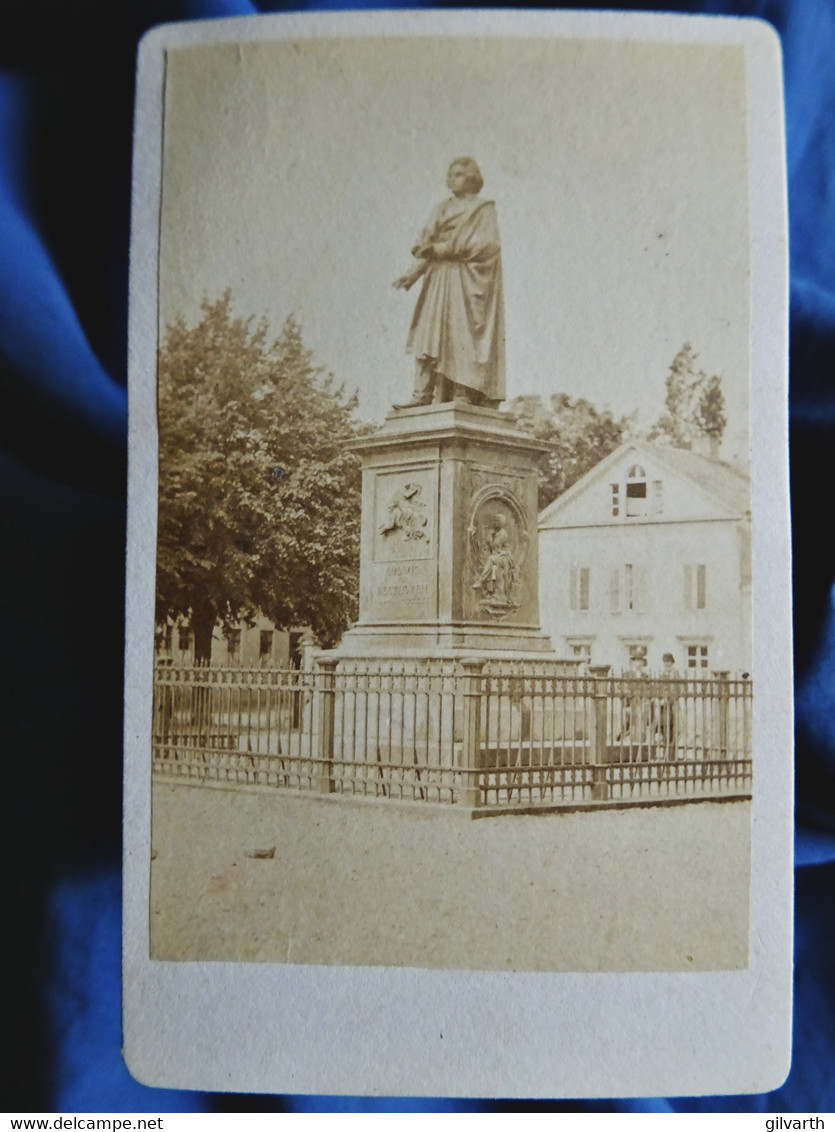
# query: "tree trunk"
203, 619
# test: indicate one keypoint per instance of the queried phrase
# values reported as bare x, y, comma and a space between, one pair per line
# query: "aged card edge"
334, 1030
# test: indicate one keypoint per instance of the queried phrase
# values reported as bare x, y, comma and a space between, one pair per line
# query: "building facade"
259, 645
650, 553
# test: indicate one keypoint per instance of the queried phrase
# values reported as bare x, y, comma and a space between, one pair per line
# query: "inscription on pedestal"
403, 571
403, 582
404, 590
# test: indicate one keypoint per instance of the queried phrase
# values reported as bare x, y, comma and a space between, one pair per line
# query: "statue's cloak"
459, 317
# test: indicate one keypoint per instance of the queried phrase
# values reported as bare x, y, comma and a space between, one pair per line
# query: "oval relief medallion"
498, 535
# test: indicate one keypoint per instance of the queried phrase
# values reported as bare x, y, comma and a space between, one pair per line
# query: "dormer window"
636, 492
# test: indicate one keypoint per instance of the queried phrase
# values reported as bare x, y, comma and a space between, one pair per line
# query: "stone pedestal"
449, 557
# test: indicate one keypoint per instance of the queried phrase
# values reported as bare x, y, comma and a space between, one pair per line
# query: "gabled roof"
725, 484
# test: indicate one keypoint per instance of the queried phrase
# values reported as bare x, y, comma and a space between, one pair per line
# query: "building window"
628, 589
695, 587
265, 643
636, 656
184, 638
636, 492
580, 648
233, 643
580, 587
616, 499
697, 657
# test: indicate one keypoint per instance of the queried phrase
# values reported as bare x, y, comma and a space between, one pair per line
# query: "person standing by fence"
635, 729
665, 711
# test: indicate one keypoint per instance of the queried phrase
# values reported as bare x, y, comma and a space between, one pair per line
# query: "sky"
298, 174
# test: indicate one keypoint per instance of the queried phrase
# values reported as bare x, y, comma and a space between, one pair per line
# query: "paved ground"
640, 889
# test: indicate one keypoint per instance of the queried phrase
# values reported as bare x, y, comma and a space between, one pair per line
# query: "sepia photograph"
446, 608
466, 540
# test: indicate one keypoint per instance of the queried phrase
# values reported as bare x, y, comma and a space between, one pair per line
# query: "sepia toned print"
485, 554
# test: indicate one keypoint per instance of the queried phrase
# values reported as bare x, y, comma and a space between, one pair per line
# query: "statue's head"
473, 179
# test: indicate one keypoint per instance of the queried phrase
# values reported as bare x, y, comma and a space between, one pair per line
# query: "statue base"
448, 553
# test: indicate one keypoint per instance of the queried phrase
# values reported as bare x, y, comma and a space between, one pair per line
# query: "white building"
650, 553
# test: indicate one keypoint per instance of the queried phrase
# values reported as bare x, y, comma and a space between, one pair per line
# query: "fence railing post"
165, 710
471, 745
724, 705
745, 690
324, 782
599, 743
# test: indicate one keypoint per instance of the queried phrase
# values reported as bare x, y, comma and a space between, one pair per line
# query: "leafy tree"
694, 403
259, 503
579, 436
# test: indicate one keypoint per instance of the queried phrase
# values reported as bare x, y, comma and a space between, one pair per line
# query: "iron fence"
482, 734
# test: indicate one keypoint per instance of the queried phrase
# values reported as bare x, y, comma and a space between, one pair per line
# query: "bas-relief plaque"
405, 545
498, 545
404, 515
497, 584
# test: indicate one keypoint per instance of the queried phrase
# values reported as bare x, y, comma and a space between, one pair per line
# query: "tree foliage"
578, 434
694, 403
259, 503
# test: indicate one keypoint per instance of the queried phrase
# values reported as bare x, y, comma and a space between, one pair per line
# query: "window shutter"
628, 587
701, 587
615, 589
640, 583
688, 587
584, 587
658, 496
572, 591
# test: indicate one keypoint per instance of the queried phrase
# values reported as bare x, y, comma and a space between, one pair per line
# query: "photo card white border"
391, 1031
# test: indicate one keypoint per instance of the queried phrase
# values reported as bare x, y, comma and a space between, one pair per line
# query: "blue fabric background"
66, 104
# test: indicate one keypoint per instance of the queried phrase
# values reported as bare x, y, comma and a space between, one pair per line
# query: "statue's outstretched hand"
409, 278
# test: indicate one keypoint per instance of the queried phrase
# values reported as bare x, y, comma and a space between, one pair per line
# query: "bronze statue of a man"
457, 331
